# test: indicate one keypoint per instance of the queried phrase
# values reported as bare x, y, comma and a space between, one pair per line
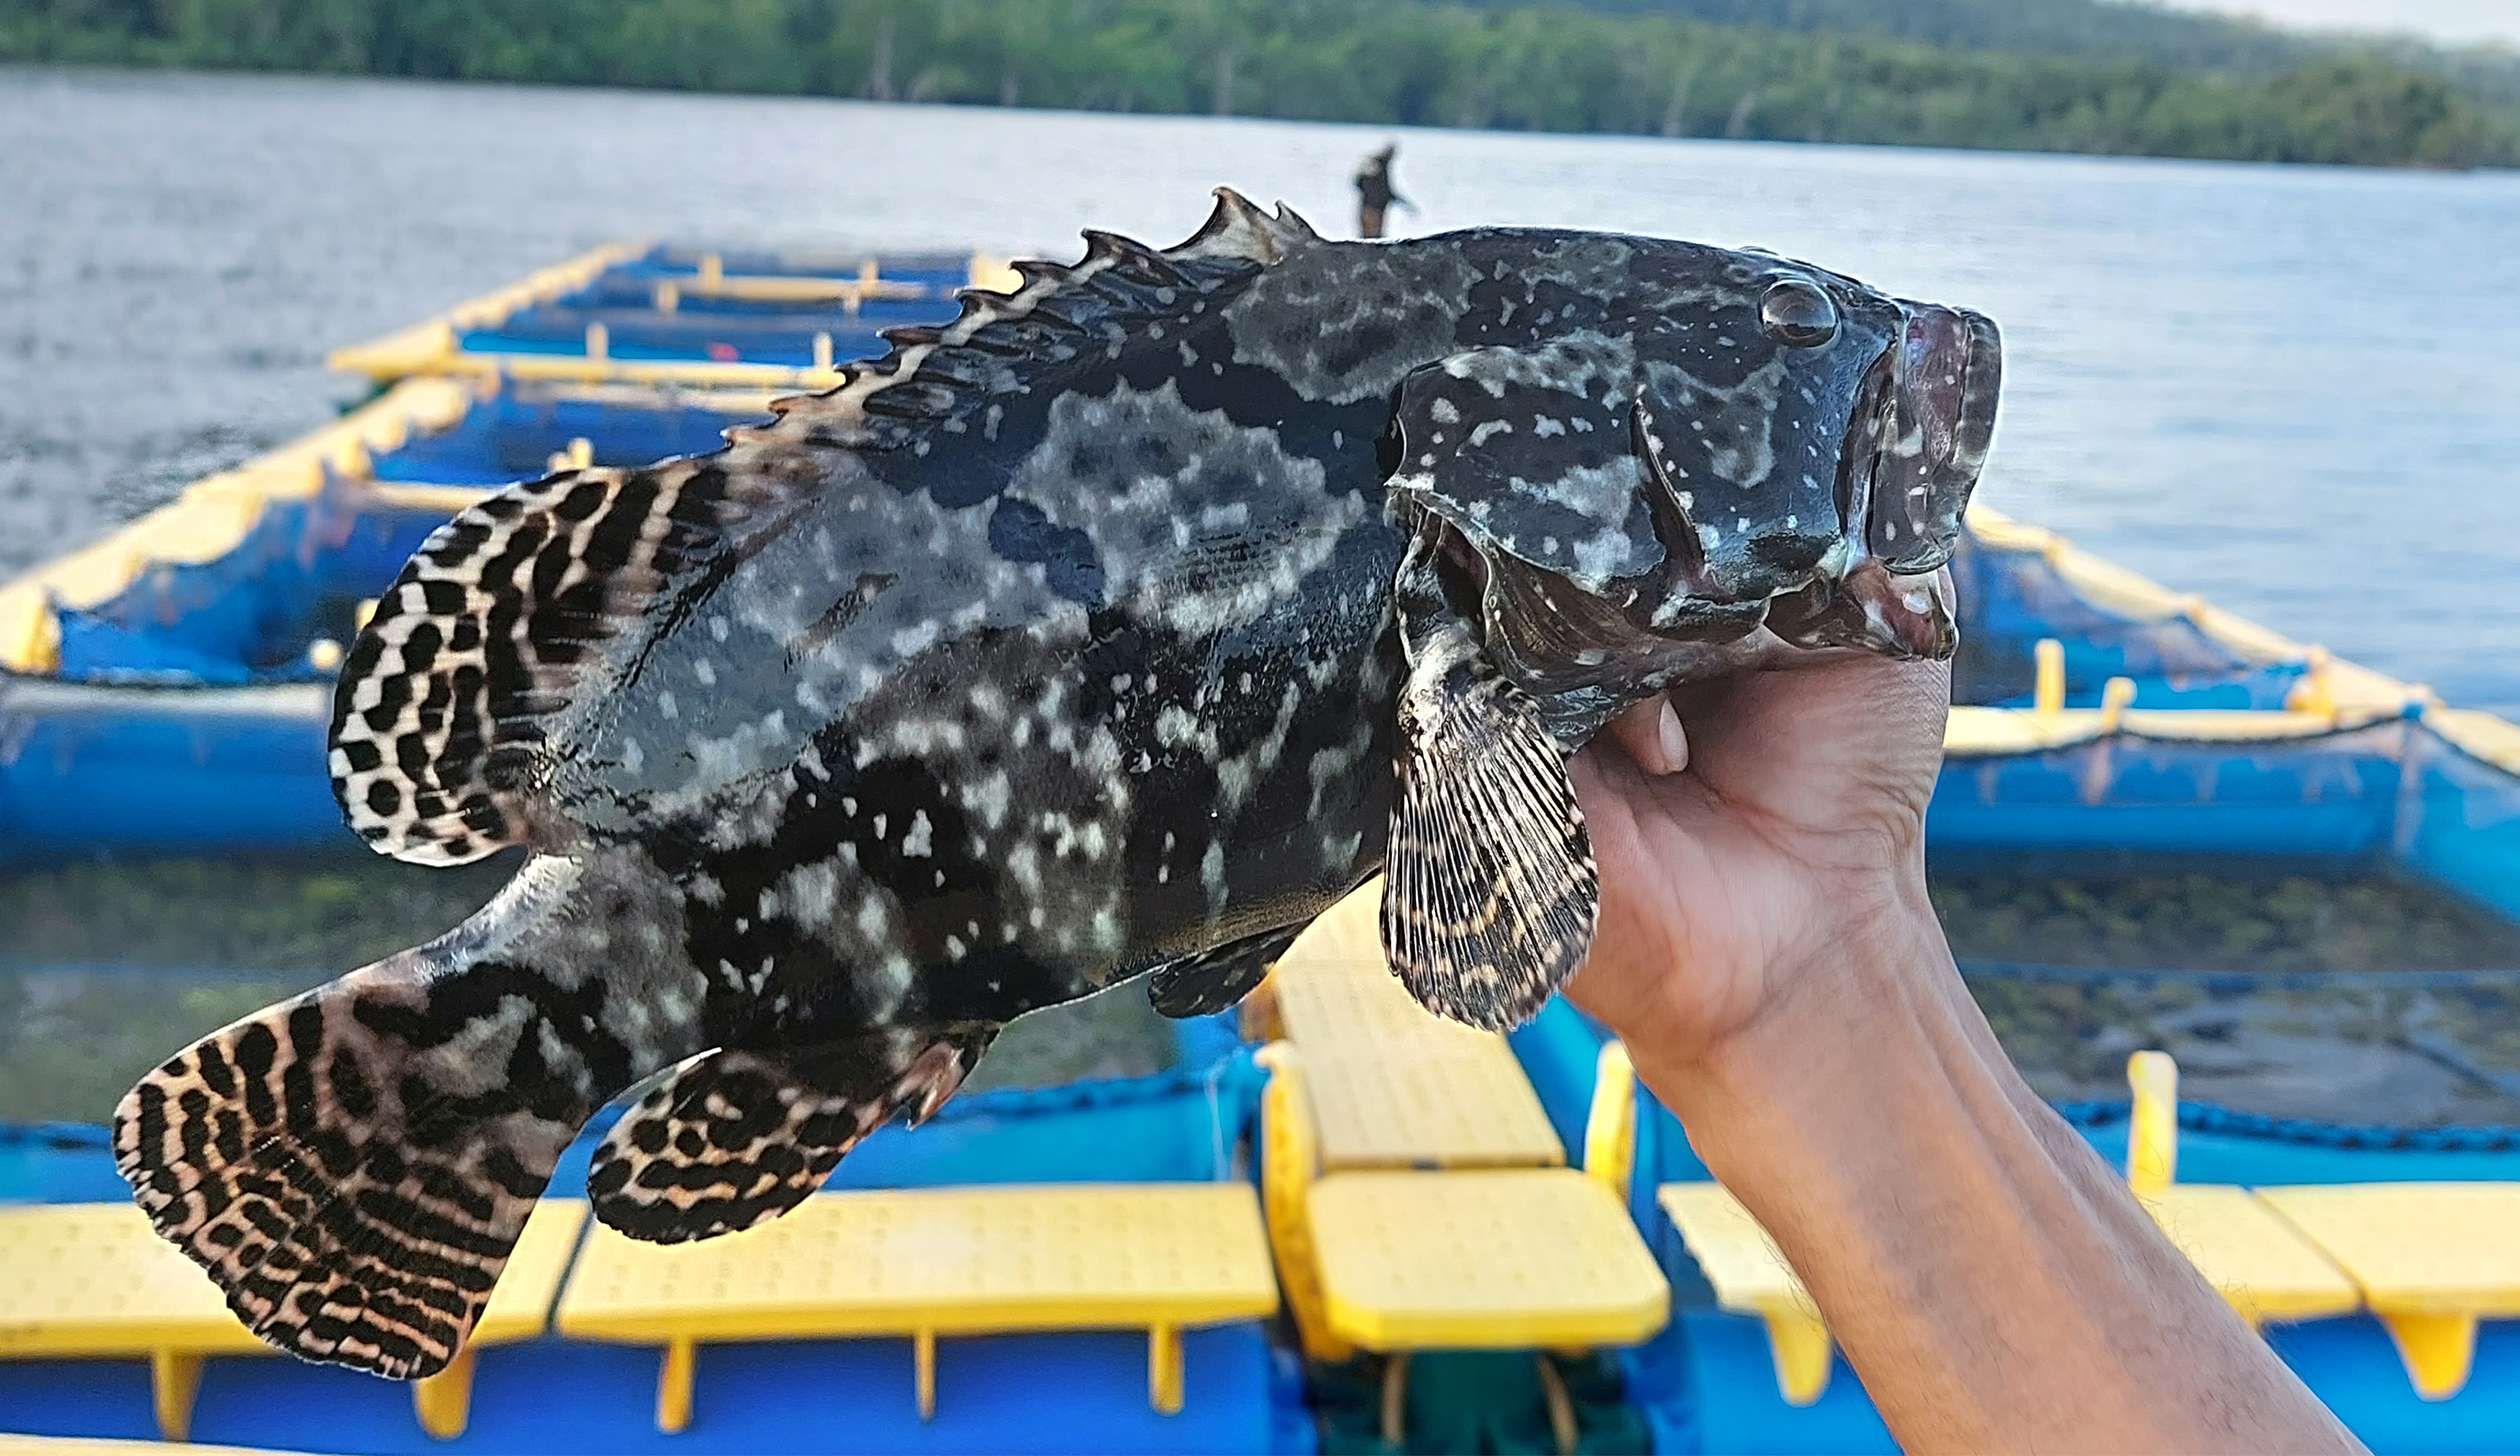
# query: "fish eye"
1798, 313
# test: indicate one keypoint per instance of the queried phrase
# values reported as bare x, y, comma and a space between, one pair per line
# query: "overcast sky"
2454, 21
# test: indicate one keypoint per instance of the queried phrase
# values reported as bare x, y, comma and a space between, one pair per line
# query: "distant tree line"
1524, 66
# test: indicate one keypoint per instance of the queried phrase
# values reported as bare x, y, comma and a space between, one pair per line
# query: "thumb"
1651, 736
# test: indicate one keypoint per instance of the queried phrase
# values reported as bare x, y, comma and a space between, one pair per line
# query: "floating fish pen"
1327, 1222
661, 315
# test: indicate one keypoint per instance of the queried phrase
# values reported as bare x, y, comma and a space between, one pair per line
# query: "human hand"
1748, 840
1766, 951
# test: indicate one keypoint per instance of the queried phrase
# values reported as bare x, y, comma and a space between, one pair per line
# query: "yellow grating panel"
2446, 1248
520, 1307
1750, 1277
1505, 1258
2431, 1258
968, 1260
95, 1279
2260, 1263
1393, 1085
1740, 1261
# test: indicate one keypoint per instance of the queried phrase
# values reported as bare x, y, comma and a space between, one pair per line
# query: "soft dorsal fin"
439, 714
503, 616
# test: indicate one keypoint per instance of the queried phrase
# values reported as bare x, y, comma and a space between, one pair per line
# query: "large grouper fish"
1117, 628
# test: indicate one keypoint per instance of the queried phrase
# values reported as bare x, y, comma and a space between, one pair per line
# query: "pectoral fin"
1489, 888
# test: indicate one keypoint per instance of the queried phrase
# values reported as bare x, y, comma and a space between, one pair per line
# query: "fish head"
1770, 455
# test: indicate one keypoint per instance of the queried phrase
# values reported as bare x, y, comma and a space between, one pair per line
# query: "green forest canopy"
2060, 75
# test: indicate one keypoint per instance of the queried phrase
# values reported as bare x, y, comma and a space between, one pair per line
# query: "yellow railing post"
2115, 698
2048, 697
2316, 692
2152, 1134
1610, 1124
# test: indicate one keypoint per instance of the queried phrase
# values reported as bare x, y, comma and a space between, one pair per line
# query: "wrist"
1864, 1007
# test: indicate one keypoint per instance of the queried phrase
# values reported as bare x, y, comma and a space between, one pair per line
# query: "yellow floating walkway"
1392, 1085
91, 1446
1395, 1262
2430, 1260
2332, 685
94, 1280
920, 1263
435, 346
410, 350
213, 514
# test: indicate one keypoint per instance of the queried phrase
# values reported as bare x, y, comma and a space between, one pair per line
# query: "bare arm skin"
1767, 952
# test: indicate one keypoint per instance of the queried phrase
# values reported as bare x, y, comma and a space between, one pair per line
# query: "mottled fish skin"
1094, 673
1057, 647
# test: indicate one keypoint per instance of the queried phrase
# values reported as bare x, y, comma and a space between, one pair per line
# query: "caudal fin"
353, 1166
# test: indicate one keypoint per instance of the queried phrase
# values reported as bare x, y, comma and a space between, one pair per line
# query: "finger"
1651, 736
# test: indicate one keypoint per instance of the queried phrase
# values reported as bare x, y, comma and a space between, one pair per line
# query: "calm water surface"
2293, 390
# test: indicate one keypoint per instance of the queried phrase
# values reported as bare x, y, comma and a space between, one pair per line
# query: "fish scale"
1122, 625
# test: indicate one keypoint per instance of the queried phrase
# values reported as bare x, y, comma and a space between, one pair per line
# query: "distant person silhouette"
1374, 192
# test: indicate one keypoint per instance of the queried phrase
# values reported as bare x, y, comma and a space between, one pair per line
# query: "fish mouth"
1924, 416
1940, 386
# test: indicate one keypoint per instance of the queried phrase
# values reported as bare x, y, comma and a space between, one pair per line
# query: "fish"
1113, 630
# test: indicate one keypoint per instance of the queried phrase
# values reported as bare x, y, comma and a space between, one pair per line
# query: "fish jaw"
1946, 372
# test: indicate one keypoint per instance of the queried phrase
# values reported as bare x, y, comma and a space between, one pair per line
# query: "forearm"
1991, 1279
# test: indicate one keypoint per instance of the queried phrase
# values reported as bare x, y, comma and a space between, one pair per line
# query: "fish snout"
1946, 372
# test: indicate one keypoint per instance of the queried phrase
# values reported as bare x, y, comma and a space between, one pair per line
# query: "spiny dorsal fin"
1062, 312
1238, 228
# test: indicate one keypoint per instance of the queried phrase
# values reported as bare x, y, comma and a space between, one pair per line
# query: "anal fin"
1212, 980
736, 1137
